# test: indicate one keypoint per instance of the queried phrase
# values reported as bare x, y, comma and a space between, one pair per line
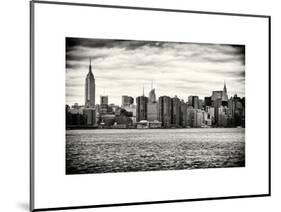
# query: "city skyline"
162, 93
175, 68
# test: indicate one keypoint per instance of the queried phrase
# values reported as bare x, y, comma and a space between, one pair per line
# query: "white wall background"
14, 104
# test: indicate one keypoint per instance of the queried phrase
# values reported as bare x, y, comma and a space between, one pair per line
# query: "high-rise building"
152, 111
216, 95
206, 119
90, 88
90, 116
208, 101
165, 109
104, 100
189, 116
103, 104
219, 98
183, 114
237, 109
175, 111
152, 105
224, 94
217, 103
200, 104
152, 95
220, 95
210, 115
224, 119
127, 100
198, 118
193, 101
141, 108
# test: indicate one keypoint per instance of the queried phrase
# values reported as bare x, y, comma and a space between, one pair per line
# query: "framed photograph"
134, 105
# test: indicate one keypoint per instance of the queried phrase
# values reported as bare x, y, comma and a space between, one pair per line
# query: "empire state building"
90, 88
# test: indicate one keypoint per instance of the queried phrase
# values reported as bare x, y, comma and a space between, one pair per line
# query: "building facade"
127, 100
183, 114
152, 96
193, 101
104, 100
104, 105
141, 110
90, 89
152, 111
175, 111
164, 110
90, 116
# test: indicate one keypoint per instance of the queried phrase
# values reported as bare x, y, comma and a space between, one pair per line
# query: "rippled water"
113, 150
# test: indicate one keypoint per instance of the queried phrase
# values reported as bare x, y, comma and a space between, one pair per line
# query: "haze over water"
114, 150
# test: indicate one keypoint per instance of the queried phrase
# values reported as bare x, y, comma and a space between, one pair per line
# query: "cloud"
123, 67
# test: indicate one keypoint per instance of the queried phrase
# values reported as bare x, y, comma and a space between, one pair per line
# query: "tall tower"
224, 93
165, 110
152, 95
224, 88
90, 89
141, 111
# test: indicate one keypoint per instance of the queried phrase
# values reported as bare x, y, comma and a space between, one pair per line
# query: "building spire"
224, 87
151, 84
90, 65
142, 90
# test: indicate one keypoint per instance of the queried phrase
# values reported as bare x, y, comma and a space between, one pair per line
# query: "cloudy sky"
123, 67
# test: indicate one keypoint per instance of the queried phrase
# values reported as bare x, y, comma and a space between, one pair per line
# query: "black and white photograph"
134, 105
147, 105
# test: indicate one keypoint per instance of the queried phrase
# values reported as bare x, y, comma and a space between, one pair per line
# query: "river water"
124, 150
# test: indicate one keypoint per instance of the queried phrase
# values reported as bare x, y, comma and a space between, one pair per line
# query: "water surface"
124, 150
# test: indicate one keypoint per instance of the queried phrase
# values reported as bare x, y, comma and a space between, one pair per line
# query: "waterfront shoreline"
96, 128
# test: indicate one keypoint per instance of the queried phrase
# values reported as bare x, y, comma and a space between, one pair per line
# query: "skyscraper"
152, 111
217, 104
197, 118
165, 110
152, 95
104, 100
219, 98
208, 101
152, 105
237, 109
90, 88
90, 116
193, 101
183, 114
220, 94
127, 100
224, 93
141, 108
103, 104
176, 111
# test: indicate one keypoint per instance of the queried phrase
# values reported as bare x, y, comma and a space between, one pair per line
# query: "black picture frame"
32, 56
